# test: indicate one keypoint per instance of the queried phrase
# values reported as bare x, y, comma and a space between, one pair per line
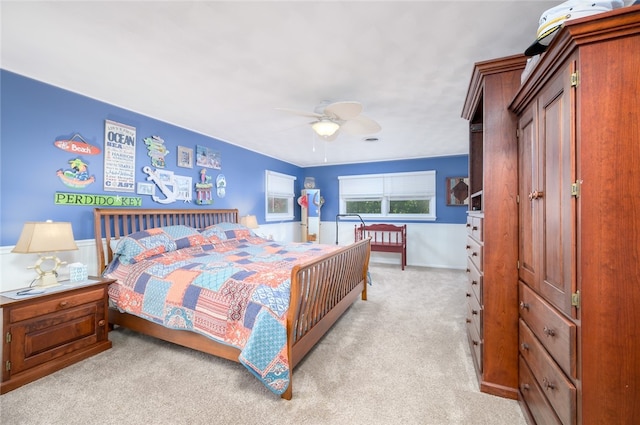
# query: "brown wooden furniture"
492, 225
385, 238
321, 290
45, 333
579, 232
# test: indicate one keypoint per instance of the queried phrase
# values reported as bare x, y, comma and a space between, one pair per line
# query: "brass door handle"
536, 194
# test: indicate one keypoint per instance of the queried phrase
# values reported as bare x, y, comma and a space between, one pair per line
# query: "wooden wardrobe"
578, 144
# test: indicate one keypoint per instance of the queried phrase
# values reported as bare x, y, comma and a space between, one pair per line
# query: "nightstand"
45, 333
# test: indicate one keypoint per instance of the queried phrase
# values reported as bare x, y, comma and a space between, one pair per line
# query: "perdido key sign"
119, 157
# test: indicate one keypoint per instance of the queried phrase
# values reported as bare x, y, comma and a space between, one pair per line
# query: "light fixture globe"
325, 127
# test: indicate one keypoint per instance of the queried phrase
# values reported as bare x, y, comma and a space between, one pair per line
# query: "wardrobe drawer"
475, 279
474, 314
474, 227
475, 342
556, 387
534, 398
555, 332
474, 252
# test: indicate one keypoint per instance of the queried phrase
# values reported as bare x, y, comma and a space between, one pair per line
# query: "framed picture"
146, 189
206, 157
185, 157
457, 190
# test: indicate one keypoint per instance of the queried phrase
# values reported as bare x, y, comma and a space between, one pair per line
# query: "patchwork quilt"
224, 282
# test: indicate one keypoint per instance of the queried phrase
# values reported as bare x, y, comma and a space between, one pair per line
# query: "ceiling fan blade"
301, 113
361, 125
344, 110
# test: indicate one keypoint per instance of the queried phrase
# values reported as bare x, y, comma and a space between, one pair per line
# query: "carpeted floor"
399, 358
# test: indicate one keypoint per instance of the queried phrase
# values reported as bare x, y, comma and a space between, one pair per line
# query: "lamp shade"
325, 127
45, 236
249, 221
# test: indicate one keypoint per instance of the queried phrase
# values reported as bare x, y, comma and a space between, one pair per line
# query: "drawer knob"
468, 225
524, 346
468, 320
474, 282
474, 342
524, 387
468, 294
468, 246
63, 304
548, 331
524, 305
548, 385
474, 312
101, 323
474, 254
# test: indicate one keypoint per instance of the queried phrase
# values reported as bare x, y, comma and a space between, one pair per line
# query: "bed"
199, 279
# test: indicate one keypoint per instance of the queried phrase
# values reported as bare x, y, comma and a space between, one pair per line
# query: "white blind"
280, 184
410, 184
366, 186
416, 184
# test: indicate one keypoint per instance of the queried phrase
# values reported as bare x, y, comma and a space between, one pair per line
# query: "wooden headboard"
113, 223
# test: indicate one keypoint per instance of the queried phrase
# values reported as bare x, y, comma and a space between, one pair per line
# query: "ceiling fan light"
325, 127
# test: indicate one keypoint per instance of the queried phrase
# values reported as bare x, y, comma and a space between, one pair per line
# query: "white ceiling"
222, 68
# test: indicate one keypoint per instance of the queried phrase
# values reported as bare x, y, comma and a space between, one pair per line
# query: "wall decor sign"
77, 145
62, 198
206, 157
119, 157
156, 150
164, 180
77, 175
457, 190
185, 157
203, 189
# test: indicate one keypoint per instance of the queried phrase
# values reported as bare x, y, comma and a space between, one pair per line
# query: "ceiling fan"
332, 118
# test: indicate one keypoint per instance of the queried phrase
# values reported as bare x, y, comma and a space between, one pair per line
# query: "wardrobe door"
552, 193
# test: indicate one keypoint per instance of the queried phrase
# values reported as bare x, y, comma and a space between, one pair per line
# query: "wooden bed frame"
321, 290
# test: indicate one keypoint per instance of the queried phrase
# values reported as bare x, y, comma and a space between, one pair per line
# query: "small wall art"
185, 157
206, 157
457, 190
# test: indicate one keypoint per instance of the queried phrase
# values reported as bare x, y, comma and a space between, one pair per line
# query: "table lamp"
45, 238
249, 221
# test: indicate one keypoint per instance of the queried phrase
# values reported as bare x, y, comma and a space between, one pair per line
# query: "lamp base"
47, 280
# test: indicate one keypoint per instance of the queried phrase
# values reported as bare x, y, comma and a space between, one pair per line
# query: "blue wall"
326, 178
34, 115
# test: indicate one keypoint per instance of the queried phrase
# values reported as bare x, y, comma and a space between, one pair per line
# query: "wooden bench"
385, 238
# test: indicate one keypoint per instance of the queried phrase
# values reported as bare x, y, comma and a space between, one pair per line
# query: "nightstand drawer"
48, 337
61, 302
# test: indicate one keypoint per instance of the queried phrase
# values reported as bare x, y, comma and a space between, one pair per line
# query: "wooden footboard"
321, 290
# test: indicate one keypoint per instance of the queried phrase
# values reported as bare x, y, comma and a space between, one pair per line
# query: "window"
397, 195
279, 196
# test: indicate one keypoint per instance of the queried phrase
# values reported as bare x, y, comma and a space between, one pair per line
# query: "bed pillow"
235, 230
223, 231
213, 233
141, 245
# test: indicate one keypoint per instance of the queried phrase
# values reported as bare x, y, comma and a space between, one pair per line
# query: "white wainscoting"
428, 245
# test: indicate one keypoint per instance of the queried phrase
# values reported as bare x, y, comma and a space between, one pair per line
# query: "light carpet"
399, 358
